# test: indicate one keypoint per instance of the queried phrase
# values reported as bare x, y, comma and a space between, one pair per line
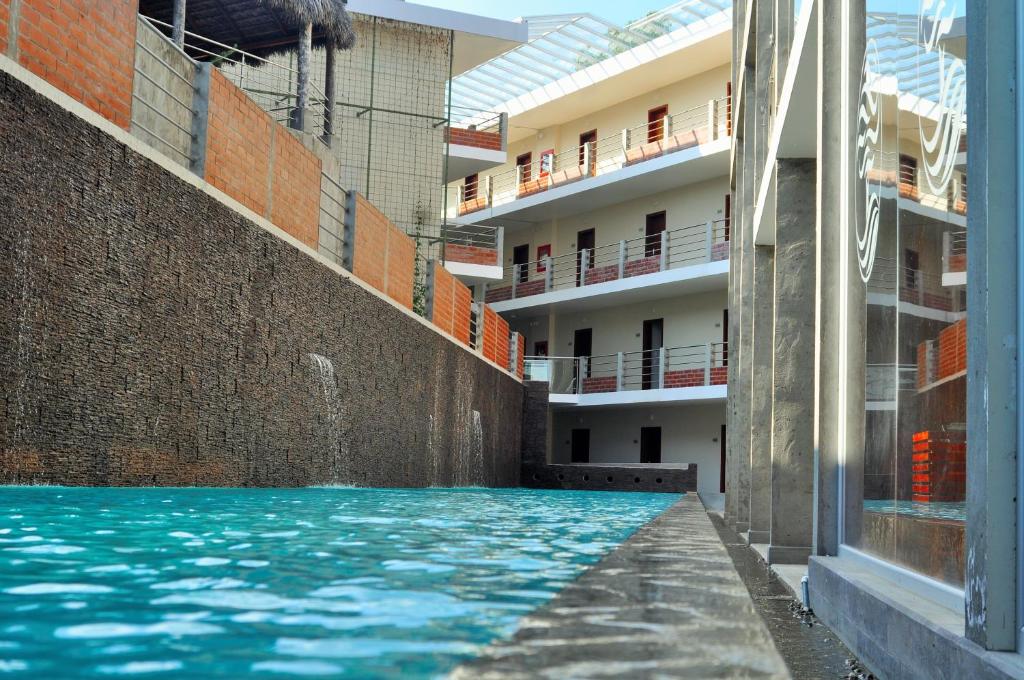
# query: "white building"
609, 203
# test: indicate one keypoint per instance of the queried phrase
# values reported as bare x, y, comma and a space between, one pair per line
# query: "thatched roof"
262, 27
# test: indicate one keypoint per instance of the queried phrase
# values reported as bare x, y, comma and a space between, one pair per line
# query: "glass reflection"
910, 195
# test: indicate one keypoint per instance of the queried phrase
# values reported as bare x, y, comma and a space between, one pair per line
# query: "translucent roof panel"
562, 44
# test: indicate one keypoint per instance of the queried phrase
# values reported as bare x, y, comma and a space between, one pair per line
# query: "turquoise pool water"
285, 583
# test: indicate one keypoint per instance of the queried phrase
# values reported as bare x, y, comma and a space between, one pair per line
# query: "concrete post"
515, 279
582, 372
663, 261
760, 397
430, 284
625, 140
618, 371
200, 118
584, 266
178, 29
503, 129
622, 259
549, 273
488, 190
499, 243
661, 368
995, 267
348, 246
793, 369
709, 239
707, 364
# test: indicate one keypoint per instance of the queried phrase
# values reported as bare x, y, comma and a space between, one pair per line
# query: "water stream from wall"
322, 372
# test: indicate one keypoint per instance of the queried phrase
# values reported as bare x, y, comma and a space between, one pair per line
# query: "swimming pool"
305, 582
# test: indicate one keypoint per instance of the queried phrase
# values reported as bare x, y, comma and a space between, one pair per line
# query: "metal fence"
670, 249
273, 86
663, 368
675, 132
335, 216
163, 94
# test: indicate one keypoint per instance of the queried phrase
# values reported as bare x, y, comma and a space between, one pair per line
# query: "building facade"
614, 209
873, 388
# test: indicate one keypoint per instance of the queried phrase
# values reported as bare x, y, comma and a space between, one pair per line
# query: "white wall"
689, 434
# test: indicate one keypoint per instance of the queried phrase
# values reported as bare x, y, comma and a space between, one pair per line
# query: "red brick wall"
5, 18
84, 48
442, 309
602, 384
463, 309
385, 257
371, 246
490, 334
520, 354
238, 145
295, 188
501, 347
953, 349
470, 254
477, 138
401, 265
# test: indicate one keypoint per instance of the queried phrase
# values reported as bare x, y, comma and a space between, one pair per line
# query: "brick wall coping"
122, 136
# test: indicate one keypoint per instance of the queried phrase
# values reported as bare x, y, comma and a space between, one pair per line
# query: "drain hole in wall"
658, 480
535, 476
586, 478
636, 480
609, 479
561, 477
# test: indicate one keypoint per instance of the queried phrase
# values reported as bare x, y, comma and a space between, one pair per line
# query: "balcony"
954, 258
678, 149
473, 251
923, 294
904, 184
694, 374
477, 141
675, 262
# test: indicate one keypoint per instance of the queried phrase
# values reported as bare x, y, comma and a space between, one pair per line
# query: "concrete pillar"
760, 397
794, 339
995, 255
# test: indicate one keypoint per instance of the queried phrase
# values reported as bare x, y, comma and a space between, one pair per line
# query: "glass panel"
907, 487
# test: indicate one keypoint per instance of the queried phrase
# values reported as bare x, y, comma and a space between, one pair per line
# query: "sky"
615, 11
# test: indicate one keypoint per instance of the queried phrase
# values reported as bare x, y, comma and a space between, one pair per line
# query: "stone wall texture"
149, 335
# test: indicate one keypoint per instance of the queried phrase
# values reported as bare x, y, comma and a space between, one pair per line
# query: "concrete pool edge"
667, 601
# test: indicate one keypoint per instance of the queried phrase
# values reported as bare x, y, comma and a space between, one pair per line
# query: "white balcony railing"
663, 368
670, 249
675, 132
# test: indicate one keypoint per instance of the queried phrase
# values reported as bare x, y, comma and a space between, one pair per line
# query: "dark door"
650, 444
520, 256
721, 469
653, 341
525, 163
580, 446
583, 345
652, 231
589, 139
584, 242
656, 124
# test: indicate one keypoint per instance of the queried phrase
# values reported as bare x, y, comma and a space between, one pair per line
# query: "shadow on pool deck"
668, 603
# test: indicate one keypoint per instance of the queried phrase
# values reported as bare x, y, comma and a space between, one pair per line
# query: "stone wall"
149, 334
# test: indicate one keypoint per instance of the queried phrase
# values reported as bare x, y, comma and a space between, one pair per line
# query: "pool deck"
667, 603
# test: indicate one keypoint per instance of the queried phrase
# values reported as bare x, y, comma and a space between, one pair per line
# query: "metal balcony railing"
663, 368
913, 286
482, 129
671, 249
474, 244
675, 132
954, 251
882, 382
